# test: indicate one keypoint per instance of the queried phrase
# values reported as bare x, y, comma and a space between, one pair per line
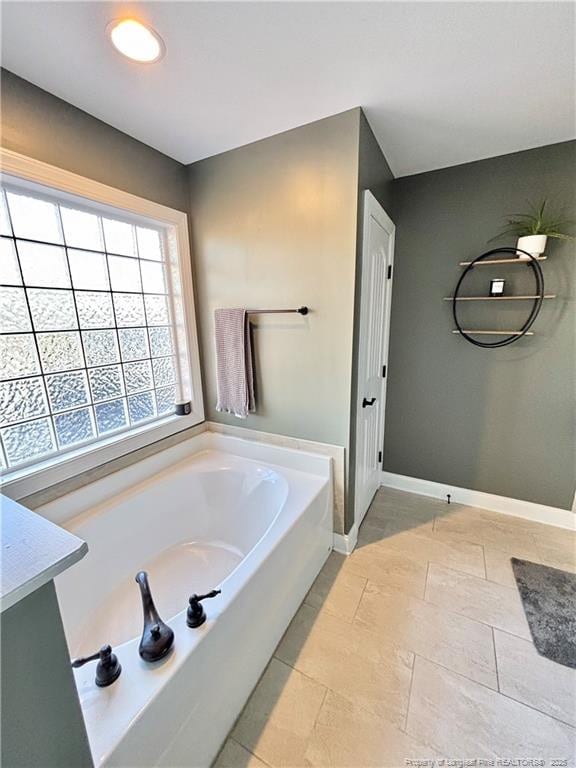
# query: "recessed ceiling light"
136, 41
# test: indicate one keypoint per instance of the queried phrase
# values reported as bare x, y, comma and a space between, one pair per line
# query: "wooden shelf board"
497, 298
495, 333
515, 260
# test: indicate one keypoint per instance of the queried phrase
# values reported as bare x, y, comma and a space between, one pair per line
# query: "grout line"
405, 728
496, 660
426, 581
484, 559
360, 600
243, 746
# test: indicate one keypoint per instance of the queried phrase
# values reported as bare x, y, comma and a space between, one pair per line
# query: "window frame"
27, 173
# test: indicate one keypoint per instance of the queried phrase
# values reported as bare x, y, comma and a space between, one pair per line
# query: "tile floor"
415, 648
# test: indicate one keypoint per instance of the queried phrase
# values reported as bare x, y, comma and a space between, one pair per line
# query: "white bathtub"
215, 511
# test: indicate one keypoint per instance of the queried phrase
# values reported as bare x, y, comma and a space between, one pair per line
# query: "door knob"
368, 402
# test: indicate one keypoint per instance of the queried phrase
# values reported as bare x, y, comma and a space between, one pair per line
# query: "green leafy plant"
537, 222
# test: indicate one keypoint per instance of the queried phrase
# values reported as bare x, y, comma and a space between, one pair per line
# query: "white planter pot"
534, 244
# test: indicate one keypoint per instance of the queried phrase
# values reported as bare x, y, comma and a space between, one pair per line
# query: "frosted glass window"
100, 347
149, 243
60, 351
14, 314
129, 308
153, 277
22, 399
5, 228
81, 229
43, 265
124, 273
119, 237
89, 270
9, 270
74, 427
18, 356
95, 309
87, 345
52, 310
34, 219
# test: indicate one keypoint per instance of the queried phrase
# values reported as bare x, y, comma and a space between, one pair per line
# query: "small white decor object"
533, 244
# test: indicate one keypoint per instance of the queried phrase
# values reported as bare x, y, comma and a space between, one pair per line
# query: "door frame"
373, 209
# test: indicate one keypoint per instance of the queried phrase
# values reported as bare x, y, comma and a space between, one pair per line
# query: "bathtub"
215, 511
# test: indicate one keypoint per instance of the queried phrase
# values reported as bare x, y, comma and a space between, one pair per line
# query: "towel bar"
300, 311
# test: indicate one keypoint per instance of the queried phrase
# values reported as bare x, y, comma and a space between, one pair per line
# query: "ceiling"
441, 83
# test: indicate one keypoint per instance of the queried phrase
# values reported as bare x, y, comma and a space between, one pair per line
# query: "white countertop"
34, 551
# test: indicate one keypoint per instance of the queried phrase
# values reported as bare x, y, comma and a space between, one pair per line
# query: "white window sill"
19, 483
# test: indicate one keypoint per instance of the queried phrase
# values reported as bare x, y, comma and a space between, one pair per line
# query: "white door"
375, 300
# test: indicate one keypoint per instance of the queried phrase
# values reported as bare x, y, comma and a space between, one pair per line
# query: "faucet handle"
108, 668
196, 615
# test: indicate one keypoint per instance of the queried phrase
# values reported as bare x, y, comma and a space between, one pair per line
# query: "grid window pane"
165, 400
52, 310
164, 371
160, 341
153, 277
100, 347
86, 339
60, 351
124, 273
141, 407
88, 270
18, 356
129, 308
9, 271
149, 243
111, 416
156, 310
74, 427
133, 343
14, 314
138, 376
22, 399
67, 390
106, 383
43, 265
34, 219
81, 229
29, 440
119, 237
5, 228
94, 309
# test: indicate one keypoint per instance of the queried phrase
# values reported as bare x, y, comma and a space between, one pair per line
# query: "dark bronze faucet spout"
157, 637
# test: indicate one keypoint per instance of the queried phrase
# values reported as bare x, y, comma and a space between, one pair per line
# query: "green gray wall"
274, 225
39, 125
500, 421
41, 720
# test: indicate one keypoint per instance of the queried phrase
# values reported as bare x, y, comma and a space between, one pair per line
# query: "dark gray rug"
549, 600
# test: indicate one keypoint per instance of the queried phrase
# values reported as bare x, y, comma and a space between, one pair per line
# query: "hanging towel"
234, 373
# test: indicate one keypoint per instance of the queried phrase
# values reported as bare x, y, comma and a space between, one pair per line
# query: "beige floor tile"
388, 567
346, 736
477, 599
336, 590
278, 719
389, 525
234, 755
490, 529
499, 567
532, 679
350, 660
459, 643
460, 555
465, 720
557, 547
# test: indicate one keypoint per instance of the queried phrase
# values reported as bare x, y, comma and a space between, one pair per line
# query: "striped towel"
234, 374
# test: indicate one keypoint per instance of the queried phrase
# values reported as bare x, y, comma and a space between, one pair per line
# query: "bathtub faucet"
157, 637
196, 615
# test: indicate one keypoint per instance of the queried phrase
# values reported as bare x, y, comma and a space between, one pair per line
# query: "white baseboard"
345, 543
540, 513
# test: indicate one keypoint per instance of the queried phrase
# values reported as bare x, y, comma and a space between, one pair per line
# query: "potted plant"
534, 228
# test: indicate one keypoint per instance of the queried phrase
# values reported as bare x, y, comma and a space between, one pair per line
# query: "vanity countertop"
34, 551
